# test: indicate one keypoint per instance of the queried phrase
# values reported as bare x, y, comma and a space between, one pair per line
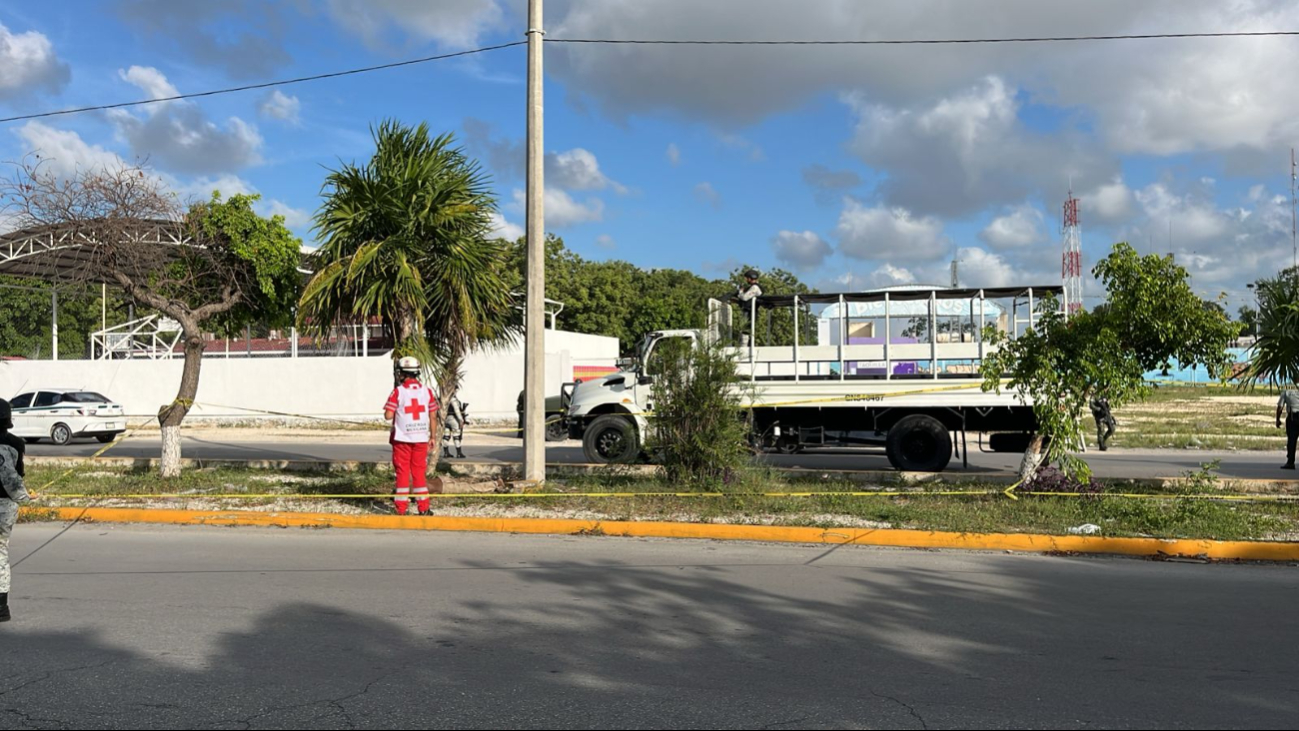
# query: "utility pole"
534, 349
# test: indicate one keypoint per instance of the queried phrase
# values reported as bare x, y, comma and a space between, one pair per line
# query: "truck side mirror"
646, 380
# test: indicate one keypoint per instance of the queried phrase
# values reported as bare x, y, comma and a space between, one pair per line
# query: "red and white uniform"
414, 408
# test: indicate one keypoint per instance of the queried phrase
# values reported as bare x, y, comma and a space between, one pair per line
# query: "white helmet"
408, 365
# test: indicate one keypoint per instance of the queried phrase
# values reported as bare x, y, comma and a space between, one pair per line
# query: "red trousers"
410, 462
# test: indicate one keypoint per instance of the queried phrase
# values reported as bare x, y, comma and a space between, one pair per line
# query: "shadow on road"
610, 645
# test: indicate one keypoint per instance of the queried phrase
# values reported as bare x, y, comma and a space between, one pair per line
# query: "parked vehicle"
556, 413
64, 414
915, 391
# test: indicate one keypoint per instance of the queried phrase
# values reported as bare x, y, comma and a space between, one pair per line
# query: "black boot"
446, 453
460, 453
4, 607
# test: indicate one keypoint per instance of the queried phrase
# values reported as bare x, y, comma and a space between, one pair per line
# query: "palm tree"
406, 238
1274, 358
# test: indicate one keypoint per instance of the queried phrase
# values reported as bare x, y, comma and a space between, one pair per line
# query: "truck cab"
609, 414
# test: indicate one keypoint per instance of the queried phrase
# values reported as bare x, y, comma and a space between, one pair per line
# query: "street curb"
1018, 542
510, 470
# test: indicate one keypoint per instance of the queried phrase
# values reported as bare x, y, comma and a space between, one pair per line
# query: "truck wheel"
556, 428
788, 445
610, 439
919, 443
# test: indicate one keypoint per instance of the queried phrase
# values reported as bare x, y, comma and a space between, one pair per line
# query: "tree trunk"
404, 327
1032, 458
171, 415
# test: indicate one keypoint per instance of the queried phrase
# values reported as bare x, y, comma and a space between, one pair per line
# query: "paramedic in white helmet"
411, 409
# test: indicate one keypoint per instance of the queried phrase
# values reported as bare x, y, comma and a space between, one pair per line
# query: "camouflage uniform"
453, 427
14, 492
1105, 422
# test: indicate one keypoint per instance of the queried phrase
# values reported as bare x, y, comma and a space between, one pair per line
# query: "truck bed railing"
930, 333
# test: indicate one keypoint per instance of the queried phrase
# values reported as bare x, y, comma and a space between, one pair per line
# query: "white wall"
339, 387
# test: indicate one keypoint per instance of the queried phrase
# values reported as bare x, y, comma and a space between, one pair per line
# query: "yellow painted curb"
1243, 550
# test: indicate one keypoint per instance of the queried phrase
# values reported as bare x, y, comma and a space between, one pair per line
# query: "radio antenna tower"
1071, 266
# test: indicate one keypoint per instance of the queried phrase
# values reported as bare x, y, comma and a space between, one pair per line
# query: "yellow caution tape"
560, 495
70, 470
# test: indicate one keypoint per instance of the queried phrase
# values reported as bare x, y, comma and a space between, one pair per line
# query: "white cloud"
151, 80
577, 169
293, 217
674, 154
706, 193
503, 229
1159, 97
605, 241
889, 234
28, 62
886, 275
966, 151
744, 84
1111, 202
801, 250
981, 268
278, 105
452, 23
1019, 227
177, 136
201, 188
63, 152
562, 211
1195, 219
891, 276
1221, 246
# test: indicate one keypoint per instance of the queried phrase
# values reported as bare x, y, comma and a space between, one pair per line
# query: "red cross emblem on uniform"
416, 409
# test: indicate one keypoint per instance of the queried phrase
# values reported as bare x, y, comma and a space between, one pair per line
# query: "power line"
650, 42
266, 84
929, 41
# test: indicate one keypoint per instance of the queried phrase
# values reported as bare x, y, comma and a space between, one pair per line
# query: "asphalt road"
149, 627
1119, 463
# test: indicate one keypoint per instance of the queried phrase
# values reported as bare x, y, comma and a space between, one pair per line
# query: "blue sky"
853, 167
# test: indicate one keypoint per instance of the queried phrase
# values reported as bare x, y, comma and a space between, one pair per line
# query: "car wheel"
105, 438
61, 434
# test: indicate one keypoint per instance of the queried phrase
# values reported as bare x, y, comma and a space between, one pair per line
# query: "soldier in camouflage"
12, 492
455, 418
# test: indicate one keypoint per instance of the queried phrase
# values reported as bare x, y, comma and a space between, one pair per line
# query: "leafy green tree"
25, 329
1152, 317
236, 266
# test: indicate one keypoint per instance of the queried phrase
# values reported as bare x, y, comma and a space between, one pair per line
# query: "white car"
62, 414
